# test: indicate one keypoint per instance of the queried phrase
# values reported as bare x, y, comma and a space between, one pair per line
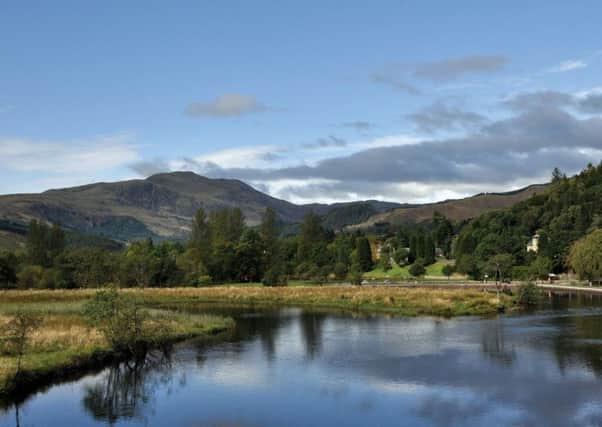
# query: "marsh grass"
64, 341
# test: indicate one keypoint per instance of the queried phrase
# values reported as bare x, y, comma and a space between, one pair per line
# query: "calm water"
293, 368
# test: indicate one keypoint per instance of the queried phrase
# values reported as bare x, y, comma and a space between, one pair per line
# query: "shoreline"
42, 367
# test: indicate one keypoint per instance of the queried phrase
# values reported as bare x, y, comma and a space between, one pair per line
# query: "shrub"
17, 333
448, 270
274, 277
340, 271
118, 317
521, 272
30, 276
355, 275
527, 294
417, 269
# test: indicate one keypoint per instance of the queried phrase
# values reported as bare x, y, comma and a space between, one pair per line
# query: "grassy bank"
402, 301
64, 343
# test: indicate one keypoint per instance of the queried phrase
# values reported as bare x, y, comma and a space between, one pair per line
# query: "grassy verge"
64, 344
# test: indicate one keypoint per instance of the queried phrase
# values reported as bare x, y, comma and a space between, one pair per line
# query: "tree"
118, 317
17, 333
249, 257
268, 230
355, 274
139, 265
385, 258
364, 254
30, 277
340, 271
400, 256
429, 250
499, 266
311, 246
540, 267
200, 238
448, 270
8, 272
37, 243
417, 269
585, 256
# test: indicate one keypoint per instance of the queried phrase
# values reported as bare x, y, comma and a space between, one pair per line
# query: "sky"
313, 101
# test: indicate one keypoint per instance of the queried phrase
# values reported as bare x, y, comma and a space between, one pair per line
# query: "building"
533, 245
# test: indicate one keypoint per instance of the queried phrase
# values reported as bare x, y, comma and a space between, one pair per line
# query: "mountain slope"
456, 210
160, 206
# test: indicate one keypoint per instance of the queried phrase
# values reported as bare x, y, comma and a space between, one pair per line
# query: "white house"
533, 245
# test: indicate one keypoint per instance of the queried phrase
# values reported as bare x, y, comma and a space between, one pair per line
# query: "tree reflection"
311, 330
583, 344
493, 343
126, 389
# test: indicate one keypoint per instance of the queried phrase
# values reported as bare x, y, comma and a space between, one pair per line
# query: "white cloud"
64, 157
570, 65
227, 105
241, 157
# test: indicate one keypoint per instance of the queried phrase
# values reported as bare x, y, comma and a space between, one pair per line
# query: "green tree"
400, 256
119, 318
417, 269
30, 277
8, 270
249, 257
499, 266
540, 267
448, 270
270, 234
17, 333
585, 256
385, 258
200, 238
429, 250
364, 254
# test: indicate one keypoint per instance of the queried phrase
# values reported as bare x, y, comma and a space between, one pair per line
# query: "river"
291, 367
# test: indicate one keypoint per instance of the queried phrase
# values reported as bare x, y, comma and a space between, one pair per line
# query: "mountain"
160, 206
455, 210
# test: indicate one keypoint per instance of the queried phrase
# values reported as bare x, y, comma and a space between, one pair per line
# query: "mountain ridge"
162, 205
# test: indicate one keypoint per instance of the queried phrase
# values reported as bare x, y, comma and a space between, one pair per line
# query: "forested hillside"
568, 210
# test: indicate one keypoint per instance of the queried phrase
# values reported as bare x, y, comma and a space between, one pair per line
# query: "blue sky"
310, 101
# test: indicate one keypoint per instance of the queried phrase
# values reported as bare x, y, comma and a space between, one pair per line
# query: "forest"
223, 249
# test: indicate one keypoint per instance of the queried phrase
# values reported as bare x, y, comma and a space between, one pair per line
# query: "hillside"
160, 206
455, 210
566, 212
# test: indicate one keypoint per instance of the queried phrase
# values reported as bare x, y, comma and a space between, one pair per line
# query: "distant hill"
160, 206
456, 210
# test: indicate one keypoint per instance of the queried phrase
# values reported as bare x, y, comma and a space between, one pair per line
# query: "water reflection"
296, 368
125, 390
493, 343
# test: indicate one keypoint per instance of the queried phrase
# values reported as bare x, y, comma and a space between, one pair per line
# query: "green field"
433, 271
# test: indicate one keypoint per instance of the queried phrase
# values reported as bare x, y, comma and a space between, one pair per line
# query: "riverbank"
372, 299
63, 344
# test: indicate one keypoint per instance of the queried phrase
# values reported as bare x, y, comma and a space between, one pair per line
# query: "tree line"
566, 217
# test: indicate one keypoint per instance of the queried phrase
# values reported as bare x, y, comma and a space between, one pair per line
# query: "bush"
340, 271
521, 272
274, 277
417, 269
118, 317
30, 276
17, 332
448, 270
527, 294
400, 256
